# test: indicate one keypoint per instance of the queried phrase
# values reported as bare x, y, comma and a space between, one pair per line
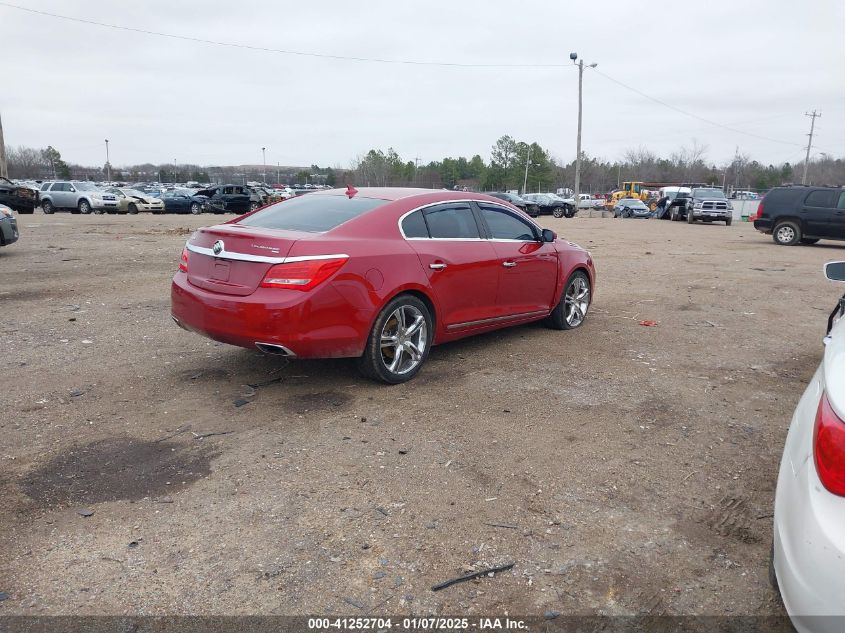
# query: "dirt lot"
623, 469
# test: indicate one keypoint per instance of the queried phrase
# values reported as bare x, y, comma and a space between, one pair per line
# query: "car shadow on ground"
252, 368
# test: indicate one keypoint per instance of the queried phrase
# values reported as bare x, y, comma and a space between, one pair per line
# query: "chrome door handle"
437, 266
508, 264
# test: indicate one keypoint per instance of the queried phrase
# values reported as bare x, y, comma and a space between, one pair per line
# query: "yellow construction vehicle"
634, 189
628, 190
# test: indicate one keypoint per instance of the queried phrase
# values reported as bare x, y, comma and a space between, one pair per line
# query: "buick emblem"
218, 247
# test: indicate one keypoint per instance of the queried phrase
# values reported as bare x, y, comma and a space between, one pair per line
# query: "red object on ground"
648, 323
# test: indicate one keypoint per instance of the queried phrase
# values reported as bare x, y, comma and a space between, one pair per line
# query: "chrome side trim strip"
262, 259
509, 317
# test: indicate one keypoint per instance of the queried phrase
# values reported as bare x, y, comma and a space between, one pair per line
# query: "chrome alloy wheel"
577, 301
403, 339
785, 234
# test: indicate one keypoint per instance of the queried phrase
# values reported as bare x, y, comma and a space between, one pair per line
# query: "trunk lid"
246, 256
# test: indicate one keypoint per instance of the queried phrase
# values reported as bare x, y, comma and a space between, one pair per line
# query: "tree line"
511, 165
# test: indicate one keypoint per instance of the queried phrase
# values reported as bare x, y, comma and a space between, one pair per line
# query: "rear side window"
311, 213
451, 221
506, 226
45, 186
414, 225
841, 203
819, 198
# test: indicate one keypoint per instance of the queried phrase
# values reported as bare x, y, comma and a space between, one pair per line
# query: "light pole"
264, 158
108, 164
174, 171
525, 178
580, 64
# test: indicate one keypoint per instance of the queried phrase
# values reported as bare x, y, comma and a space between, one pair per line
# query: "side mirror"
73, 189
835, 271
551, 236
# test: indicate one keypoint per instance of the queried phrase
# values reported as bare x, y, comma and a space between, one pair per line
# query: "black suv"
804, 215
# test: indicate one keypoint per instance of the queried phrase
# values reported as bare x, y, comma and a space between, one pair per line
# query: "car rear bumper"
318, 324
809, 543
763, 224
8, 231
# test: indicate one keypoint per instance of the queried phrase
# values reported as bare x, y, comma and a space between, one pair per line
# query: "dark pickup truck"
21, 199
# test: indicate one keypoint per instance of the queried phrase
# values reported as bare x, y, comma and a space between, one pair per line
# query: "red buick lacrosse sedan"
377, 274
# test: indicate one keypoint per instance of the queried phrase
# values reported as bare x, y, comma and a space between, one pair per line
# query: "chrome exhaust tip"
275, 349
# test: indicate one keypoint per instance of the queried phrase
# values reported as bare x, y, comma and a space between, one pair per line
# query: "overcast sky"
753, 65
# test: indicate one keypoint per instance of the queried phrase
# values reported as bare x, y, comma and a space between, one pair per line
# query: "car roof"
389, 193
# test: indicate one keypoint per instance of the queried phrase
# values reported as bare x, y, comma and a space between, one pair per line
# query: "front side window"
451, 221
819, 198
841, 203
506, 226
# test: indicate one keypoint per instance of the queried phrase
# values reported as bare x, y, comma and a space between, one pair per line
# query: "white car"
808, 554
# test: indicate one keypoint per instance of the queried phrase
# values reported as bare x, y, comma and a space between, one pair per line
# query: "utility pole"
528, 160
4, 168
278, 172
812, 116
108, 164
580, 64
264, 158
174, 171
416, 164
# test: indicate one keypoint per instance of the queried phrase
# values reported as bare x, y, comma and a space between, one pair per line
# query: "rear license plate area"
220, 271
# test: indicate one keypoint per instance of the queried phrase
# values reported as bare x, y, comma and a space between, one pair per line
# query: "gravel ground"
623, 469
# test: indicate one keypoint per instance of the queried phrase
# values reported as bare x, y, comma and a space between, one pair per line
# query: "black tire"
809, 240
196, 209
626, 213
773, 577
557, 319
786, 233
728, 221
25, 211
133, 208
84, 207
253, 206
690, 217
558, 212
373, 364
47, 207
673, 215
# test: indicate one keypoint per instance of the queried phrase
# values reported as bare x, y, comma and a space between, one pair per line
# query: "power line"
694, 116
264, 49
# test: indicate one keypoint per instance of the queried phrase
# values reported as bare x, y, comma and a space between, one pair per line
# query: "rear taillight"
758, 213
302, 275
183, 263
829, 447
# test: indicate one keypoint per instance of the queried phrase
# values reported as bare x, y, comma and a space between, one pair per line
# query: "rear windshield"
314, 214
